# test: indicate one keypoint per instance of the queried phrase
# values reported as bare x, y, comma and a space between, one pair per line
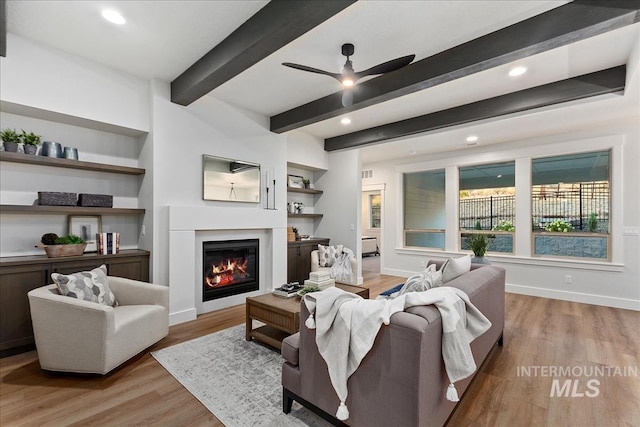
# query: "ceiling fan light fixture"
113, 16
347, 82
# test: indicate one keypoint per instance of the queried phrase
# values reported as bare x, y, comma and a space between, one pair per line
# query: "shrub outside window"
487, 204
570, 205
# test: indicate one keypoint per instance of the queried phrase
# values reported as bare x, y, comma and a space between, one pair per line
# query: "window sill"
519, 260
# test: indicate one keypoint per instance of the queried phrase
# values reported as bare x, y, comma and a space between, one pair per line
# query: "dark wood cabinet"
18, 275
299, 258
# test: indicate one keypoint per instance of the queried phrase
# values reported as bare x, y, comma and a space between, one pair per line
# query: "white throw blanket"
347, 325
341, 269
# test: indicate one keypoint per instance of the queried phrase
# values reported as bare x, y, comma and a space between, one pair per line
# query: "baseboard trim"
627, 304
182, 316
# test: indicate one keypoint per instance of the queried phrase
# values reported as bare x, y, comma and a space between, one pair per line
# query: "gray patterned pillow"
427, 279
329, 254
87, 286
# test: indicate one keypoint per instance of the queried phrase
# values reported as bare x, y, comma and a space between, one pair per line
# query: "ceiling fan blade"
347, 98
387, 67
311, 70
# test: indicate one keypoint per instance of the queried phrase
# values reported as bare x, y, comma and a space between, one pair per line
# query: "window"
487, 204
375, 202
424, 209
570, 205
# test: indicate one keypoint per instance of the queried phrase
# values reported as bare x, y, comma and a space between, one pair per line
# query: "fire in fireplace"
230, 267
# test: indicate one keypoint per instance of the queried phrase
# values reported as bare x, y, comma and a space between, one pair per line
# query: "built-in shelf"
68, 163
74, 210
309, 215
14, 261
303, 190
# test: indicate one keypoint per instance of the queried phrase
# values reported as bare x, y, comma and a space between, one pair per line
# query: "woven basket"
49, 198
95, 200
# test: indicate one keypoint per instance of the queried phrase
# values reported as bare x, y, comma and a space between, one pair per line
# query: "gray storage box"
50, 198
95, 200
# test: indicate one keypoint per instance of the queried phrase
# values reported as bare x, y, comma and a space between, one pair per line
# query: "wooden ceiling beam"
3, 27
599, 83
563, 25
272, 27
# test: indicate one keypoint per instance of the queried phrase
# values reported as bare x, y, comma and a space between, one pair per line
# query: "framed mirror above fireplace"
230, 180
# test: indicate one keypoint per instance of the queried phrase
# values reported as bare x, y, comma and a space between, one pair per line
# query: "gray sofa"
402, 380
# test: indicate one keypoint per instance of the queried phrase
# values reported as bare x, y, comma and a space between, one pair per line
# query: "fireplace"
230, 267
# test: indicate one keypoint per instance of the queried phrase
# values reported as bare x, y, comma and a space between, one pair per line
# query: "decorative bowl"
54, 251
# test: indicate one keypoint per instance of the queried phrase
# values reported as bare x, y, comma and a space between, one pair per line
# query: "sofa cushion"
87, 286
290, 348
329, 254
454, 267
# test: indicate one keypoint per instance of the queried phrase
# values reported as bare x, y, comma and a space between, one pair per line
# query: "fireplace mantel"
185, 222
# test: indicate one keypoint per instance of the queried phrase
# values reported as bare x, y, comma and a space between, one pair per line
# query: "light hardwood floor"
538, 332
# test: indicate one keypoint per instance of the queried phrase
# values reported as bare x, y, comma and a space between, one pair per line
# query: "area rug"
237, 380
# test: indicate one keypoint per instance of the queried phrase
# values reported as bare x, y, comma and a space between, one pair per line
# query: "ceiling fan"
348, 77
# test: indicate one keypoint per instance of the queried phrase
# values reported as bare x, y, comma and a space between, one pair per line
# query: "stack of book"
108, 243
321, 279
287, 291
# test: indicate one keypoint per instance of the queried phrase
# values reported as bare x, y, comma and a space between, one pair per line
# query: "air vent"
367, 173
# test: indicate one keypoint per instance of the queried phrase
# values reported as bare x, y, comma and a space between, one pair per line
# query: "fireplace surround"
230, 267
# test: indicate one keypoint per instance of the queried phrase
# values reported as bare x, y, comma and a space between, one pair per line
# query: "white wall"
341, 203
38, 76
615, 284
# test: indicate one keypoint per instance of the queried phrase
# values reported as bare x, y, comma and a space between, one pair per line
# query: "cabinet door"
135, 268
15, 317
304, 261
292, 263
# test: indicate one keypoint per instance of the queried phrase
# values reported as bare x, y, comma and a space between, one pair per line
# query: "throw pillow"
422, 281
454, 267
329, 254
87, 286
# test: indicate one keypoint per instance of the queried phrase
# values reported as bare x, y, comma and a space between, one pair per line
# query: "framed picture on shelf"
86, 226
295, 181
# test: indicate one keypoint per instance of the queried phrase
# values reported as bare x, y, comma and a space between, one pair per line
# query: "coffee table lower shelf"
269, 335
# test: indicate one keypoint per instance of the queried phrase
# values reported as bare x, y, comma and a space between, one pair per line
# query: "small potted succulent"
10, 139
70, 245
306, 182
30, 141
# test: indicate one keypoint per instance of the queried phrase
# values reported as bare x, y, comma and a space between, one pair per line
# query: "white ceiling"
163, 38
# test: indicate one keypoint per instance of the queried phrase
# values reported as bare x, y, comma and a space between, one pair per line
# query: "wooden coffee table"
281, 316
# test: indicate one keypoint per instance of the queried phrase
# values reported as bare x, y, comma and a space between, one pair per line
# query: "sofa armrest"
53, 314
133, 292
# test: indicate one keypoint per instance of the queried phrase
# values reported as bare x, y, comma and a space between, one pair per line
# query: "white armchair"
315, 266
80, 336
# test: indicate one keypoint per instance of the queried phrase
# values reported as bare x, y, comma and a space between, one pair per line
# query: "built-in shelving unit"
68, 163
71, 210
309, 215
303, 190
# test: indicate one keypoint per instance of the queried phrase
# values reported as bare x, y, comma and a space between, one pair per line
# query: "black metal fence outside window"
573, 203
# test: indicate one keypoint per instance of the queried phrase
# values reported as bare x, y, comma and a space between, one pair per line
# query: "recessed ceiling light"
345, 120
472, 138
113, 16
517, 71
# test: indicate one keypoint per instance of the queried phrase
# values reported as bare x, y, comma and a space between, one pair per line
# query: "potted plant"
70, 245
478, 244
30, 141
10, 139
306, 182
